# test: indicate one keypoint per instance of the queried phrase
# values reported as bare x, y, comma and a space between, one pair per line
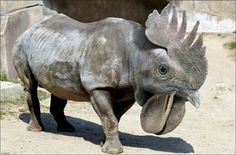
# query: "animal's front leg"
102, 103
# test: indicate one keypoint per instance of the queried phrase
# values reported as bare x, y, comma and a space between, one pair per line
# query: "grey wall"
16, 17
216, 16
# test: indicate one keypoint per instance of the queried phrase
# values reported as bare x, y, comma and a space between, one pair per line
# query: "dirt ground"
210, 129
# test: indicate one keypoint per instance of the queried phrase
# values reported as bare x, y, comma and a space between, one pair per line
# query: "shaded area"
93, 133
93, 10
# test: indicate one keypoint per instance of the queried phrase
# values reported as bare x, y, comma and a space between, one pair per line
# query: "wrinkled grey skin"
111, 63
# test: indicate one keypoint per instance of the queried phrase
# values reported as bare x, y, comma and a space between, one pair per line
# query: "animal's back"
58, 47
49, 50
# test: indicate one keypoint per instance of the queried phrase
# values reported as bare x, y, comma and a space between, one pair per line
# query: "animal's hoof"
65, 128
34, 128
111, 148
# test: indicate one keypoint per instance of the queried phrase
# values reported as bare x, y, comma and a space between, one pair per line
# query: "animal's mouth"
176, 114
162, 113
191, 96
146, 96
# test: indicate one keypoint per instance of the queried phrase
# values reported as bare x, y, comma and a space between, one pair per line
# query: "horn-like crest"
166, 34
162, 32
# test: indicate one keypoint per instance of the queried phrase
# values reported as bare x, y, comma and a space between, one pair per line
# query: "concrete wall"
16, 17
8, 6
216, 16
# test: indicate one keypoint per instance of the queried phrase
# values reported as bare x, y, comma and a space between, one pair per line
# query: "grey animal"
113, 63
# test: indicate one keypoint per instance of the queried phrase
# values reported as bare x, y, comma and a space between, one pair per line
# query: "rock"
13, 25
11, 6
220, 15
224, 9
11, 91
219, 89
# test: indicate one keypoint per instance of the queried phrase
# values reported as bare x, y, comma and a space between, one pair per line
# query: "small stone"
11, 91
219, 89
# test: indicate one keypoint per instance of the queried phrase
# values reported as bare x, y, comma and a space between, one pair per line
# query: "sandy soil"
211, 129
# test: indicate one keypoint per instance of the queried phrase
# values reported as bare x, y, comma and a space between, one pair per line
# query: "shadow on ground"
93, 133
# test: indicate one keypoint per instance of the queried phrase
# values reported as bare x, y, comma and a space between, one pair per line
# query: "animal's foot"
35, 127
112, 147
65, 127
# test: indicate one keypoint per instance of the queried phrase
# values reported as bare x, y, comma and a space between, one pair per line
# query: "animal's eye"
162, 70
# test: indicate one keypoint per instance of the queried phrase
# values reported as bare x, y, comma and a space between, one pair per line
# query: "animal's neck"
136, 54
136, 59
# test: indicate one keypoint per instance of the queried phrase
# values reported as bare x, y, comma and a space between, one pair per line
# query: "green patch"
3, 77
2, 114
215, 97
231, 45
22, 98
23, 110
13, 108
42, 95
221, 35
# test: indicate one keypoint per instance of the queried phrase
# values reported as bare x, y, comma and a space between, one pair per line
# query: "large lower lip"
162, 113
166, 127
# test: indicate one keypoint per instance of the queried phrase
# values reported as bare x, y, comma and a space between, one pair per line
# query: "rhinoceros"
112, 63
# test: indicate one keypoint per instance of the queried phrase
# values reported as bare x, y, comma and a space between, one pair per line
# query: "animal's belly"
68, 94
62, 79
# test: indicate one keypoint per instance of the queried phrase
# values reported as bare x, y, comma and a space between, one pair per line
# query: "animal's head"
172, 75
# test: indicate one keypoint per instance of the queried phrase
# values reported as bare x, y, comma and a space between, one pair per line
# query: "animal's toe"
34, 129
112, 149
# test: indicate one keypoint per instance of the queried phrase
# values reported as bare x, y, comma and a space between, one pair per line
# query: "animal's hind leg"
30, 86
34, 108
57, 110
